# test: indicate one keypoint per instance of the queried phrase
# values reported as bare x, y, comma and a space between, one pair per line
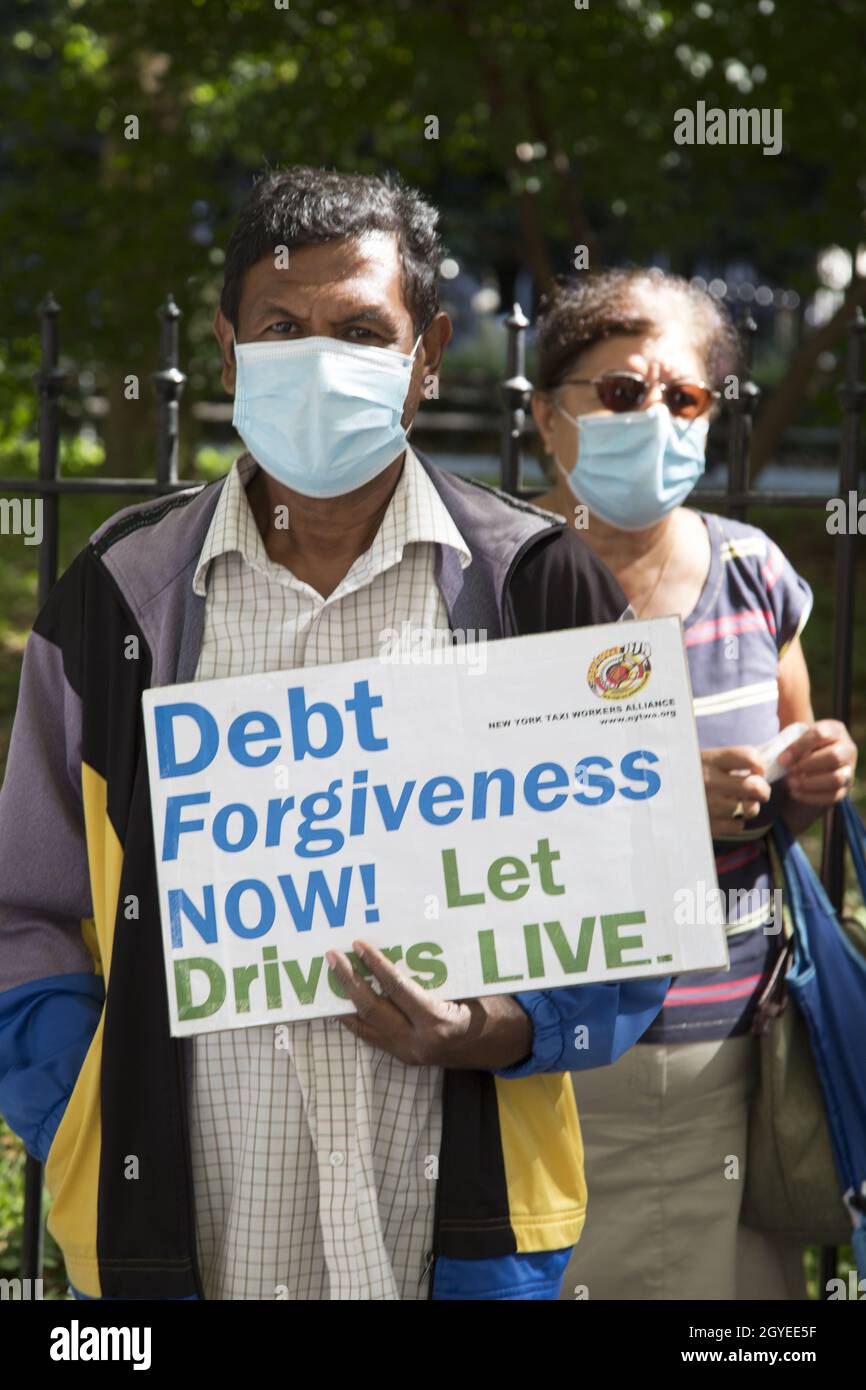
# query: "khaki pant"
664, 1132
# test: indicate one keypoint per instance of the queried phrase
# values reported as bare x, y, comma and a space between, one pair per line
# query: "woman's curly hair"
577, 315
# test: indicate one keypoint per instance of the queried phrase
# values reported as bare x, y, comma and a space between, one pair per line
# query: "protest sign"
521, 823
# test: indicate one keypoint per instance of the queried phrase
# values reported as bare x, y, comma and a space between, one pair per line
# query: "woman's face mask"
320, 415
634, 467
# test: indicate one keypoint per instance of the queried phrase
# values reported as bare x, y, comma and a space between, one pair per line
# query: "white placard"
521, 815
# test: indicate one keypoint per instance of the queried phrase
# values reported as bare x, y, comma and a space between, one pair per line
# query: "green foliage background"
554, 128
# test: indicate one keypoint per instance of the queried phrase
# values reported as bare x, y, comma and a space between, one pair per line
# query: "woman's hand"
733, 776
819, 767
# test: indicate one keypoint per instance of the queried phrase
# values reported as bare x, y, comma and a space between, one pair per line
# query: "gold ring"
739, 811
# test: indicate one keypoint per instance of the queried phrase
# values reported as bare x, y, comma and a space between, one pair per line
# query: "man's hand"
733, 780
484, 1034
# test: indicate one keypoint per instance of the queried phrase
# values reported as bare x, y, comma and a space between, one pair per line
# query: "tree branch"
785, 402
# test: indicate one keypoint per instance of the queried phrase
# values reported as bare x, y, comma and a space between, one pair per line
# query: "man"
420, 1148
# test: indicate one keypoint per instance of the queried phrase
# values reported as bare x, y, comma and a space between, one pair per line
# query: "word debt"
202, 986
255, 738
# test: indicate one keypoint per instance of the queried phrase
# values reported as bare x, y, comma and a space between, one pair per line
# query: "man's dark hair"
615, 303
305, 207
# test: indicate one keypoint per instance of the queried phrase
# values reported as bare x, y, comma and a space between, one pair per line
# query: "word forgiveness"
319, 823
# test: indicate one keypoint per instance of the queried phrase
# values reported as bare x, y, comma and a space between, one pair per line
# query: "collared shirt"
314, 1165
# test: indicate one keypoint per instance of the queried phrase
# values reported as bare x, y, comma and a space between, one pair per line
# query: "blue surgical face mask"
320, 415
635, 467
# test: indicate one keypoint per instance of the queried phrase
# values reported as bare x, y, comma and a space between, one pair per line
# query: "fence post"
50, 381
852, 393
740, 427
516, 393
169, 382
853, 396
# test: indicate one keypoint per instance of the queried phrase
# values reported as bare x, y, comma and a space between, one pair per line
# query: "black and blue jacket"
89, 1072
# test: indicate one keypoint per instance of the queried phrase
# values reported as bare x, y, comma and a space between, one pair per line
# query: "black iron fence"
737, 498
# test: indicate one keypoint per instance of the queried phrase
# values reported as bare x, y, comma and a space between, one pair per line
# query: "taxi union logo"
620, 672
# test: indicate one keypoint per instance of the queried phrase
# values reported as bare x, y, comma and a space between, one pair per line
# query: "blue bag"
827, 981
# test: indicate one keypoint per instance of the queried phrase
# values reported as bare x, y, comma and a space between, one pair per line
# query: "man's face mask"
320, 415
634, 467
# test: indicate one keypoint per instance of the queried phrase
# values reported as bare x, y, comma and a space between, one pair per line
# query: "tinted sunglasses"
621, 391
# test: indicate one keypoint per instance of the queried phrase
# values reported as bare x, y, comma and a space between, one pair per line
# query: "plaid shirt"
314, 1165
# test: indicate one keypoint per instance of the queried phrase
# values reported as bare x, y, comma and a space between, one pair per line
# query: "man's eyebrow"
271, 307
372, 314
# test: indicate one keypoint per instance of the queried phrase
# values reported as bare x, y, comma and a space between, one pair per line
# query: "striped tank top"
752, 607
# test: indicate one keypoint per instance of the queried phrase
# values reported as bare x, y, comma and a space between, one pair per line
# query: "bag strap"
773, 999
803, 892
855, 834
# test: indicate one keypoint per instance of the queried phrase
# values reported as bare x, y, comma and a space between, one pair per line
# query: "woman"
632, 365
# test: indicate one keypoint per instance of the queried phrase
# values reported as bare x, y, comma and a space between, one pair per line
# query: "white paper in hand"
770, 751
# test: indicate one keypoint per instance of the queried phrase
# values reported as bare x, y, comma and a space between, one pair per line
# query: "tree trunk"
129, 429
783, 405
535, 247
